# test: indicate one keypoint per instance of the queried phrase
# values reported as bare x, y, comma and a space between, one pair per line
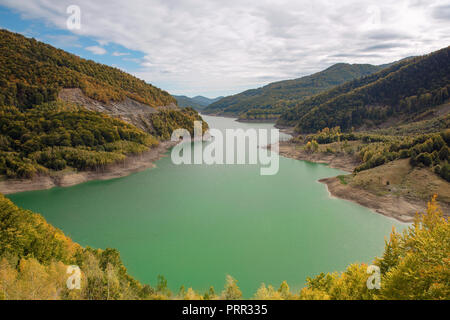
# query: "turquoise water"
195, 223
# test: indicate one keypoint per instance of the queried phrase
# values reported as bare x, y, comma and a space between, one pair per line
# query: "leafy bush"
445, 172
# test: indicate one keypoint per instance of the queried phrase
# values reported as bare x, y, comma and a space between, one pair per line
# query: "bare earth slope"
395, 189
129, 110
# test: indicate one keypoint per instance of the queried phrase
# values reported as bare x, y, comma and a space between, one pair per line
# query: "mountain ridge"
407, 88
197, 102
270, 100
33, 72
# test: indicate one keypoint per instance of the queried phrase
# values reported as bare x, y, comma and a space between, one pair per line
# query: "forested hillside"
372, 149
198, 102
270, 101
40, 133
401, 92
32, 72
34, 257
53, 136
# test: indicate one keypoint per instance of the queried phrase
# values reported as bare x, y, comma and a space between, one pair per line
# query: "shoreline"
132, 164
272, 121
342, 162
399, 208
388, 206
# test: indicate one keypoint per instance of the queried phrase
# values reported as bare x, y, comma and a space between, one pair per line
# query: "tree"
285, 291
414, 265
231, 290
210, 295
419, 266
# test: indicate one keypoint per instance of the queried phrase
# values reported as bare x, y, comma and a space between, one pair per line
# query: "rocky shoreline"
400, 208
131, 164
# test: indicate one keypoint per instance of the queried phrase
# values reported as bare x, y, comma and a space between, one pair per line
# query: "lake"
195, 224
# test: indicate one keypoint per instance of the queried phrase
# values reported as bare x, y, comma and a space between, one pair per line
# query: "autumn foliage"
34, 258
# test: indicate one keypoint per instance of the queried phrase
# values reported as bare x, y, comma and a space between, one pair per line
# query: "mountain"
205, 101
60, 111
269, 101
32, 72
403, 92
198, 102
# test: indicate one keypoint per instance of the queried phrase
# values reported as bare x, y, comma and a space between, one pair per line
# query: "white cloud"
212, 47
120, 54
96, 50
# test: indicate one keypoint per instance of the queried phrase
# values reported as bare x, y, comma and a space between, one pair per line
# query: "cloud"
388, 35
442, 13
208, 47
96, 50
356, 55
385, 46
120, 54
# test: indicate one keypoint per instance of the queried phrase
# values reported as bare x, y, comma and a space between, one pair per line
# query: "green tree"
231, 290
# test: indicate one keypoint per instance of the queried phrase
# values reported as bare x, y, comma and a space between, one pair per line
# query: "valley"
86, 166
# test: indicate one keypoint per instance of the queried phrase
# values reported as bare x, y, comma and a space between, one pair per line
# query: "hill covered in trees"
197, 102
32, 72
404, 92
271, 100
34, 257
40, 132
372, 149
54, 136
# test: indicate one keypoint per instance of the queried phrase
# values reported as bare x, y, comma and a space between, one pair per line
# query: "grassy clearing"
401, 179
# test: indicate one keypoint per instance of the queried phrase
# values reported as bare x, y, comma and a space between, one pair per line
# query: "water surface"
195, 223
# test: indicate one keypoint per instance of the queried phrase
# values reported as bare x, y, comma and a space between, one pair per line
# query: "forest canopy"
270, 101
32, 72
408, 88
40, 133
54, 136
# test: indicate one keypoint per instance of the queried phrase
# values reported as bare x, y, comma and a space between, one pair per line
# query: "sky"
217, 47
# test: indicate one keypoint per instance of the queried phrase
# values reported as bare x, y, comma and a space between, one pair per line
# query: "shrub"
425, 159
445, 172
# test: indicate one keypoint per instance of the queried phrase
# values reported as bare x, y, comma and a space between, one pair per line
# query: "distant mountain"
271, 100
401, 92
198, 102
205, 101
